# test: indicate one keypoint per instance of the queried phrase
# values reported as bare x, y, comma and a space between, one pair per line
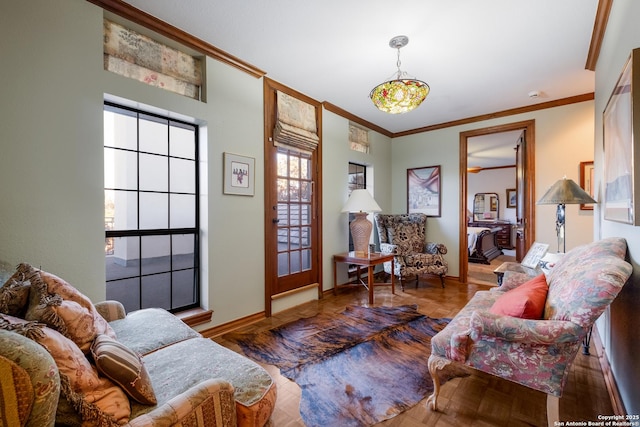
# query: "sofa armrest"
43, 374
111, 310
435, 248
212, 399
544, 332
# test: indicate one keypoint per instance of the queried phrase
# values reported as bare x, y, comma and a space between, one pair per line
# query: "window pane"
306, 259
182, 142
183, 176
294, 167
282, 164
305, 217
154, 136
183, 211
154, 211
124, 259
182, 251
120, 131
305, 168
294, 190
283, 239
120, 169
120, 210
305, 191
294, 262
294, 214
283, 190
156, 291
154, 173
294, 238
283, 264
282, 214
126, 291
183, 288
306, 237
156, 254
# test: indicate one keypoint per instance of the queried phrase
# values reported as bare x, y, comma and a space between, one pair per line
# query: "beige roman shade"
358, 138
295, 124
139, 57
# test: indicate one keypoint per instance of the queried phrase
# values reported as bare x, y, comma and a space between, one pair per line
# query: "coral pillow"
526, 301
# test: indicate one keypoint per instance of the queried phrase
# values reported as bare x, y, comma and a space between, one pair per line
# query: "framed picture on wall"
512, 197
586, 182
621, 122
239, 175
423, 190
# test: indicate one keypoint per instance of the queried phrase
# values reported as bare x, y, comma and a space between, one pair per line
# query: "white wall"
620, 325
563, 139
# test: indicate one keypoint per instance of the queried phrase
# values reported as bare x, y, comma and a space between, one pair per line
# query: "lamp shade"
361, 201
565, 191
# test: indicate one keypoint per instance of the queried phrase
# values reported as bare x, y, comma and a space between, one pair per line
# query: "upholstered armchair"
529, 330
404, 236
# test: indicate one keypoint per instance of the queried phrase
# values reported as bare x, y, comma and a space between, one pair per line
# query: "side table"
368, 260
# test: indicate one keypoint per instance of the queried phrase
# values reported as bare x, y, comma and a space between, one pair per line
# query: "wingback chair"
404, 236
535, 351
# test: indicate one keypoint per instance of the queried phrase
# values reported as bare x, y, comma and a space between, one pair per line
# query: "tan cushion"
124, 367
98, 400
16, 392
62, 307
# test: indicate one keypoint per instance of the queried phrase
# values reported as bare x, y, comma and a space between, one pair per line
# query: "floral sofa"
404, 236
529, 330
66, 361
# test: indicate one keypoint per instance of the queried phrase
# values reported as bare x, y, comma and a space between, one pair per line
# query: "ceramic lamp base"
361, 232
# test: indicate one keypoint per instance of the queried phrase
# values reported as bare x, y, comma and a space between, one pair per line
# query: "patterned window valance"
358, 138
139, 57
296, 124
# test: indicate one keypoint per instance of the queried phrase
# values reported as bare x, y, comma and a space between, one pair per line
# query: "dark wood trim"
609, 379
195, 316
599, 28
339, 111
504, 113
225, 328
530, 214
140, 17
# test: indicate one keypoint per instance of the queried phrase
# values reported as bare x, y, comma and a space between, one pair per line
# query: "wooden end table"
368, 260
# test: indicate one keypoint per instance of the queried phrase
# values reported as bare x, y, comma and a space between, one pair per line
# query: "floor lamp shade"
564, 192
360, 203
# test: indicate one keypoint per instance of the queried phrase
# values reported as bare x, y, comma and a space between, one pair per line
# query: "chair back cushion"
579, 291
407, 231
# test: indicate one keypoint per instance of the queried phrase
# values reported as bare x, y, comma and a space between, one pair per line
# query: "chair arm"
486, 324
111, 310
388, 248
212, 399
435, 248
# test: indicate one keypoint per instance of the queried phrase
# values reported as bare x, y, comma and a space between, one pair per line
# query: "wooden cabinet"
503, 236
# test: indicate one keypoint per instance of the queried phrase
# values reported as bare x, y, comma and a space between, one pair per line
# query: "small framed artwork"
535, 254
239, 175
621, 151
512, 197
586, 182
423, 190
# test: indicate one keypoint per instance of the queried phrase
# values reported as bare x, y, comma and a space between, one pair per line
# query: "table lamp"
360, 203
564, 192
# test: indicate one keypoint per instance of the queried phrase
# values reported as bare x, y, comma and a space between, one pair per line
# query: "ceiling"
478, 57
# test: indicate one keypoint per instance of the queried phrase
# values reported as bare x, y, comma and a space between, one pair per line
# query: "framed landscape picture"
512, 198
621, 122
423, 190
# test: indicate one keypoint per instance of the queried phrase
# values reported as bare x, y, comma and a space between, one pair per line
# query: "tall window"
357, 179
151, 210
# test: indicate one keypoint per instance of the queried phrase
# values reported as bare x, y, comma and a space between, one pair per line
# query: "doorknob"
275, 220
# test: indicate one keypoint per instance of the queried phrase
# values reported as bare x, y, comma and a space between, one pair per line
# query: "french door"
292, 199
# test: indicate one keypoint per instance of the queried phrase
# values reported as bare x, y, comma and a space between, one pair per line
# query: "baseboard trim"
216, 331
609, 379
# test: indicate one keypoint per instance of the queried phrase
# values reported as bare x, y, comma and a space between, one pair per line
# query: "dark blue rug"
355, 368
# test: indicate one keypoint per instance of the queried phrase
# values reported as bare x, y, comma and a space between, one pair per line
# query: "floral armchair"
536, 351
404, 236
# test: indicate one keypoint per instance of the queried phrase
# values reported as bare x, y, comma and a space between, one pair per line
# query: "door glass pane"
306, 237
294, 214
294, 264
305, 216
283, 214
283, 189
294, 167
283, 264
294, 190
282, 164
283, 239
305, 191
305, 168
306, 259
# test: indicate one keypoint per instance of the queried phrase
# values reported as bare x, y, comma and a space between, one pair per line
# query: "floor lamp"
360, 203
564, 192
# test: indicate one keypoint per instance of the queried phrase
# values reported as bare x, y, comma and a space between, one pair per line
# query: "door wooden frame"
528, 127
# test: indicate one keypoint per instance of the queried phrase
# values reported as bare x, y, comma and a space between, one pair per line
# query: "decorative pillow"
62, 307
14, 296
97, 399
124, 367
548, 261
526, 301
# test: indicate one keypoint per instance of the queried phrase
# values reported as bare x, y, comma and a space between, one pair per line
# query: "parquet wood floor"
477, 400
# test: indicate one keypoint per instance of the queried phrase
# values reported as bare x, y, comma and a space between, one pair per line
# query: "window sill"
195, 316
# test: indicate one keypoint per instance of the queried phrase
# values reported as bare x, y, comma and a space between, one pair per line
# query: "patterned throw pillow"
95, 398
526, 301
62, 307
14, 296
124, 367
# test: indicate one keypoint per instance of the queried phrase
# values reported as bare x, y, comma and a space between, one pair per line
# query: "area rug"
355, 368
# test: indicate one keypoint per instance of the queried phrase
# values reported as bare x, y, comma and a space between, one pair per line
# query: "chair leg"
553, 410
442, 280
417, 280
435, 364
